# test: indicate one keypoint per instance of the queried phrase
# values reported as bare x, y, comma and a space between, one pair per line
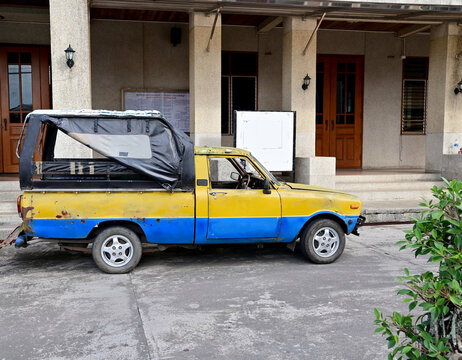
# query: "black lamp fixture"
458, 89
69, 56
306, 82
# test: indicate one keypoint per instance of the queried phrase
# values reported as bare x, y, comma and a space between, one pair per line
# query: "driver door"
239, 211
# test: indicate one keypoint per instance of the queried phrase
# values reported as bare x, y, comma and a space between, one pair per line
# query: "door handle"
214, 193
5, 122
332, 124
327, 124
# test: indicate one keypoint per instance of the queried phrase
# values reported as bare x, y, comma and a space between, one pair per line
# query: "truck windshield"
271, 176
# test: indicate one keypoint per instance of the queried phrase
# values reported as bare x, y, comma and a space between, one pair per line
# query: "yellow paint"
230, 203
109, 204
283, 201
202, 172
303, 203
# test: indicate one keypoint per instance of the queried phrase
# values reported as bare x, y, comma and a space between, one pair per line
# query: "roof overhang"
402, 11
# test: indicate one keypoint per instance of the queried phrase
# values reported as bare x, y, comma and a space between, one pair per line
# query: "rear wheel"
323, 241
117, 250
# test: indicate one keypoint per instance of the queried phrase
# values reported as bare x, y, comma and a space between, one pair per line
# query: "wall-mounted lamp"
458, 89
69, 56
306, 82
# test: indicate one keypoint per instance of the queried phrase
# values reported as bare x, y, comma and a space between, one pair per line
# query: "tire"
322, 241
116, 250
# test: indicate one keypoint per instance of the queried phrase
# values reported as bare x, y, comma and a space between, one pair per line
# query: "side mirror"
266, 187
234, 176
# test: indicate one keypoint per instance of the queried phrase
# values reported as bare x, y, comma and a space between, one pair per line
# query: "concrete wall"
28, 34
139, 53
383, 146
136, 55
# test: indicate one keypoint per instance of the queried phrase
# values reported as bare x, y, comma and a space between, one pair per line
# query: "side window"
234, 173
224, 173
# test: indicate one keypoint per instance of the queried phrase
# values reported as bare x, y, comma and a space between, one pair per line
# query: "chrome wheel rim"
117, 250
326, 242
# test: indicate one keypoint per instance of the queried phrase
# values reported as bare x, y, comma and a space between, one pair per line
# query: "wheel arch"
136, 228
325, 215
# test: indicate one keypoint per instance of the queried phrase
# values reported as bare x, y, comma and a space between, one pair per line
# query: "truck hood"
296, 186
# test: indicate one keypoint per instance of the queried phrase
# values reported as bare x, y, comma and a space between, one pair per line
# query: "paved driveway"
219, 303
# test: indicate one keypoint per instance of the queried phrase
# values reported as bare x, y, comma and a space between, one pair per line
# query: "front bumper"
359, 223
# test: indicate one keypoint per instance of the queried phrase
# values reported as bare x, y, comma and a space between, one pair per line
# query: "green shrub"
436, 331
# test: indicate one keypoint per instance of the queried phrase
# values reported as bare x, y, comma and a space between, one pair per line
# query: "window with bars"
414, 95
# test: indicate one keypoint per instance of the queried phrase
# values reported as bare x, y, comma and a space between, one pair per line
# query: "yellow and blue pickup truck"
152, 187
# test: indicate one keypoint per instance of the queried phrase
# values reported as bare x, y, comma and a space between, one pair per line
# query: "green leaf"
412, 305
437, 214
377, 314
455, 285
405, 292
406, 349
455, 300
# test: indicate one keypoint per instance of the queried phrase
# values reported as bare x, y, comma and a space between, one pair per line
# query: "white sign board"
173, 105
269, 136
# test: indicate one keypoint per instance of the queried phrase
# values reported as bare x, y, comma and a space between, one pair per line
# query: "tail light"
18, 203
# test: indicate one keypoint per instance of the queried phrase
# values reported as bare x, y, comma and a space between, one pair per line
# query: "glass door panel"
21, 74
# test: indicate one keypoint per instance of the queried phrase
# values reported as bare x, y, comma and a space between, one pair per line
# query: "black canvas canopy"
142, 141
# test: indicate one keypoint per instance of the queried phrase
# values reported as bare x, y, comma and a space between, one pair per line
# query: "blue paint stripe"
158, 231
243, 228
181, 230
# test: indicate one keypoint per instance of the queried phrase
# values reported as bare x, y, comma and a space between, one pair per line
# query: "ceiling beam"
411, 30
269, 23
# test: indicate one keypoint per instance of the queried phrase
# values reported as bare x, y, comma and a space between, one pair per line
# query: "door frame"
329, 104
41, 93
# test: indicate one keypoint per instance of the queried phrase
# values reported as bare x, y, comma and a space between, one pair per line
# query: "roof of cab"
99, 113
219, 150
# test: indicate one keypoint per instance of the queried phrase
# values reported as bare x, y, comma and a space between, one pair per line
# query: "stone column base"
319, 171
451, 168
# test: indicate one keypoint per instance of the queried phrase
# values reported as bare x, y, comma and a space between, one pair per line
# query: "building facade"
383, 73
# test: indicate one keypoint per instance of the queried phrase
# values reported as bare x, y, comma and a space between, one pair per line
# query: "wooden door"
24, 86
339, 108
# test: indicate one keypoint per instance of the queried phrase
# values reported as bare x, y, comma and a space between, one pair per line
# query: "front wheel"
117, 250
323, 241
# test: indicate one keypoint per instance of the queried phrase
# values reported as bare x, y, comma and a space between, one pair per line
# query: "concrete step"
386, 195
9, 186
7, 206
9, 218
386, 185
389, 177
397, 211
9, 196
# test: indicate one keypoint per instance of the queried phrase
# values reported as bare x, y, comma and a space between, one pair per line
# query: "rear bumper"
359, 223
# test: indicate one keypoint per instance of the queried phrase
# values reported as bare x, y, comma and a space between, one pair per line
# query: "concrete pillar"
444, 119
205, 79
295, 66
71, 87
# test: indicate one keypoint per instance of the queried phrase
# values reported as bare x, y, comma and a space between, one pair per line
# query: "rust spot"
64, 212
158, 220
58, 216
72, 222
82, 221
26, 219
25, 210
